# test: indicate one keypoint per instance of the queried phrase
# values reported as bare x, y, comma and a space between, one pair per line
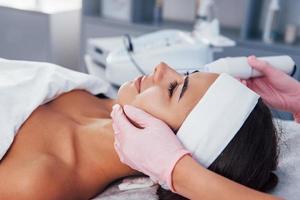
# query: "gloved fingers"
117, 146
242, 81
120, 121
153, 178
117, 135
122, 157
116, 129
139, 116
297, 117
118, 150
255, 84
263, 67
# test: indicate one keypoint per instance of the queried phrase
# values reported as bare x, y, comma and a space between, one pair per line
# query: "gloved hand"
153, 150
276, 88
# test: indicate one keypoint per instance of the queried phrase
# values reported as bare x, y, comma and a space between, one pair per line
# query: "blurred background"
57, 31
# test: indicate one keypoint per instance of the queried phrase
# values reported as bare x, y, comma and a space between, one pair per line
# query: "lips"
137, 83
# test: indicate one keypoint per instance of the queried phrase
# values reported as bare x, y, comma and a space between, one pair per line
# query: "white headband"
216, 118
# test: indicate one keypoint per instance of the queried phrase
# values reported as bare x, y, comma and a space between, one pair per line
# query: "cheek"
152, 101
126, 94
157, 104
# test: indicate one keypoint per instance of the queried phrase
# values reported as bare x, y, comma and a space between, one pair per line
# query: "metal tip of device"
294, 70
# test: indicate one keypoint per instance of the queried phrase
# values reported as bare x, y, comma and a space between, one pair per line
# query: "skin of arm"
191, 180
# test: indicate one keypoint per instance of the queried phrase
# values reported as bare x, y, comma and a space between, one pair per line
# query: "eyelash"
174, 84
171, 88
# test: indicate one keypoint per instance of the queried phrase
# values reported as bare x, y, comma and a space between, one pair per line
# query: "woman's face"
166, 94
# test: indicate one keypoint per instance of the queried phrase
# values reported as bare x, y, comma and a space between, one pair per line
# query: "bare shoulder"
43, 178
78, 101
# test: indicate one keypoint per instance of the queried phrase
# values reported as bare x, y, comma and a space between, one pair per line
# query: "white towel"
26, 85
288, 170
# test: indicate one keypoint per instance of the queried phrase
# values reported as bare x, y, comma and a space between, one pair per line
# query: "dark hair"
251, 156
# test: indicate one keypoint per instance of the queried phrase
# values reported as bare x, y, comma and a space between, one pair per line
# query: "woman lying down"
57, 140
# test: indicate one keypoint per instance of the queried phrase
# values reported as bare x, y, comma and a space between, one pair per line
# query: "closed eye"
185, 86
172, 87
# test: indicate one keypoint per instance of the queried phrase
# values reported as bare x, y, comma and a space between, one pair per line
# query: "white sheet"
26, 85
113, 193
289, 162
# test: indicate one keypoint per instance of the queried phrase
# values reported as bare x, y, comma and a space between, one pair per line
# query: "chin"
126, 93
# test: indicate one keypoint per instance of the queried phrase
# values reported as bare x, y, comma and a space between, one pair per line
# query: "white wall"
231, 13
38, 36
291, 13
179, 10
43, 5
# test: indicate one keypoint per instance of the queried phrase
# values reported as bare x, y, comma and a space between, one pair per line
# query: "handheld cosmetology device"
239, 67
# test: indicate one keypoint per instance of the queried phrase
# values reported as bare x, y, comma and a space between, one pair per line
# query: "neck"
112, 156
100, 161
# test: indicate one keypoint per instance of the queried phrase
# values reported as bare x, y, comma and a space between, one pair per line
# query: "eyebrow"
184, 87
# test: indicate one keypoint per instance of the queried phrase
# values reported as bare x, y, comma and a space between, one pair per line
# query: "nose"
159, 71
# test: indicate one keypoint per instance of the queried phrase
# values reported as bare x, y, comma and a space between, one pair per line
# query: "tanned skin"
64, 150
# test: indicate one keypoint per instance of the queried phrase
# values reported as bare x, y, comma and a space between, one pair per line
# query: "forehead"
198, 85
200, 82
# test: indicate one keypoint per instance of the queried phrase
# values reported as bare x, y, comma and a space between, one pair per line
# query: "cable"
129, 48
